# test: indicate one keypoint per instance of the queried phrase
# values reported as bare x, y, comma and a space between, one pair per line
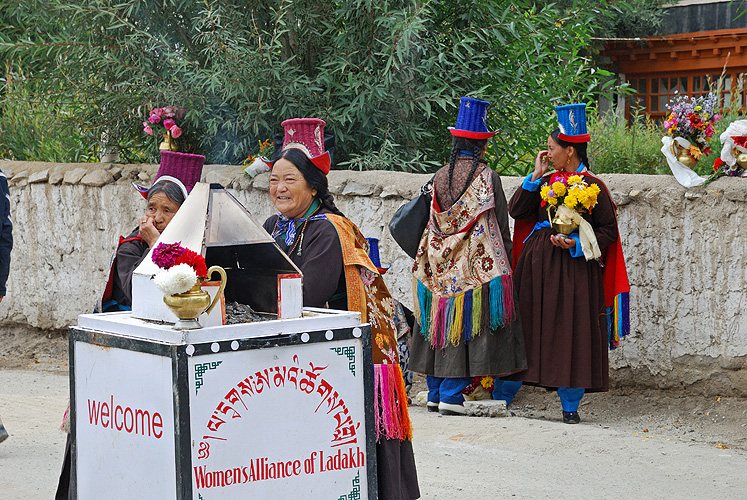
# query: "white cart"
268, 410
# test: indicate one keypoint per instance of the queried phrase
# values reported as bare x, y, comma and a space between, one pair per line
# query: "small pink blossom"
716, 118
168, 123
175, 131
154, 118
147, 129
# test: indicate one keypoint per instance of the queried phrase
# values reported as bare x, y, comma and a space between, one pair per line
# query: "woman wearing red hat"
338, 273
572, 293
467, 325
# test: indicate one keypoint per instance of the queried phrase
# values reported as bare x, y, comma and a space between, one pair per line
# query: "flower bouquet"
733, 159
182, 272
689, 128
256, 164
167, 117
566, 199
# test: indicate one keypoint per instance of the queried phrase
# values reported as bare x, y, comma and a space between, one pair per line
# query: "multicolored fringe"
450, 320
618, 319
392, 418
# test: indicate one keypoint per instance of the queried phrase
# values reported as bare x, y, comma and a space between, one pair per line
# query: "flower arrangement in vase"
733, 159
166, 117
566, 199
180, 278
690, 123
256, 164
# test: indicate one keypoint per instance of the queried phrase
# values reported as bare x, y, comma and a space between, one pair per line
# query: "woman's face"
161, 209
290, 192
558, 155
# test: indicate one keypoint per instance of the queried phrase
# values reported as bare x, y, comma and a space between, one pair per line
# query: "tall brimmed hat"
307, 134
373, 254
183, 169
572, 123
471, 120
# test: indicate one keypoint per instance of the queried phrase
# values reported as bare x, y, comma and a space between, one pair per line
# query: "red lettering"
124, 418
158, 425
116, 424
132, 419
93, 413
105, 413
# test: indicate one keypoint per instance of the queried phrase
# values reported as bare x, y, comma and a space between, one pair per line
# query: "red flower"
195, 260
717, 164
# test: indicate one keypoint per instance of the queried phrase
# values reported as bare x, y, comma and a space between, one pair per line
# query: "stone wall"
683, 248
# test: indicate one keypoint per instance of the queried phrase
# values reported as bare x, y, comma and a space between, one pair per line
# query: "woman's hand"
541, 164
148, 231
562, 242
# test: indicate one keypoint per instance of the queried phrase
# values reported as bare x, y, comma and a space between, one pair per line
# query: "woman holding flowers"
571, 307
333, 256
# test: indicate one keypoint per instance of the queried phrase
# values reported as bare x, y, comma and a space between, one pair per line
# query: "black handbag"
409, 222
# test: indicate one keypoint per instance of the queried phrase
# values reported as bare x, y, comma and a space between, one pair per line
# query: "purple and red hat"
307, 134
472, 119
183, 169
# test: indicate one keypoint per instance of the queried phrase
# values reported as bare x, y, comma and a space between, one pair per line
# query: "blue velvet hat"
471, 120
572, 123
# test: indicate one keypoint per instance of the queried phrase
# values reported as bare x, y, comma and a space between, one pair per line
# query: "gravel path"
631, 445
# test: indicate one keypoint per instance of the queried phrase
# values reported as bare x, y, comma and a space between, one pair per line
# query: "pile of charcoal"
241, 313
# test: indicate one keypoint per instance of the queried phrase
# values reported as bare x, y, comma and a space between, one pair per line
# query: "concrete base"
486, 408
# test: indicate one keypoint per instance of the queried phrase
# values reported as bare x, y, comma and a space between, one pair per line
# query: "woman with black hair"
561, 294
466, 322
338, 273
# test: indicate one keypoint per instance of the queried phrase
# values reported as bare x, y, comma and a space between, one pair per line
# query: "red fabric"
110, 282
614, 274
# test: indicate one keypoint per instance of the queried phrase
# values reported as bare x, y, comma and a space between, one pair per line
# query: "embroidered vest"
462, 282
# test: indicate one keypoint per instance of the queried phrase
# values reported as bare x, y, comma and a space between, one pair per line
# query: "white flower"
176, 279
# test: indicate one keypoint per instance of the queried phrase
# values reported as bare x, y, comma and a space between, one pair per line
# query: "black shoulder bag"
409, 222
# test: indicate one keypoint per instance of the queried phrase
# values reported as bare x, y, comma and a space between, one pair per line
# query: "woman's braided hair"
463, 144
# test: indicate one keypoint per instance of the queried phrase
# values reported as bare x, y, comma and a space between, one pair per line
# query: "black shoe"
432, 406
571, 417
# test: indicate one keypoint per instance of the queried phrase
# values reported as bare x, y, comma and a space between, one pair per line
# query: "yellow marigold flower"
571, 200
552, 201
558, 188
575, 179
695, 152
544, 191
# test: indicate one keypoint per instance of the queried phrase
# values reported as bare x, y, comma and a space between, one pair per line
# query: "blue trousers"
506, 390
446, 390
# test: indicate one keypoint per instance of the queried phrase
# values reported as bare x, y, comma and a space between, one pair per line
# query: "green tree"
386, 76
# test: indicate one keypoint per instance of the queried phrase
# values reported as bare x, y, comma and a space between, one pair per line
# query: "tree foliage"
386, 76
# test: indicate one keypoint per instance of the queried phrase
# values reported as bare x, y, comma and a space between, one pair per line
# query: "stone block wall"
683, 249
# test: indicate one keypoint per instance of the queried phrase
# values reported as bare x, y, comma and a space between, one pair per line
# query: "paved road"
458, 457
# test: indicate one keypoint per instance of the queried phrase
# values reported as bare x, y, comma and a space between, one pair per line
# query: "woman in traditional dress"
467, 325
338, 273
561, 294
177, 175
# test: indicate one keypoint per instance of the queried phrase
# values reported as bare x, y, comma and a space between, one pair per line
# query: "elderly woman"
332, 254
565, 292
177, 175
466, 323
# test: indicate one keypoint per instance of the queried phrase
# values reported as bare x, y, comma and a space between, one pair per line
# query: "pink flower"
716, 118
147, 129
168, 123
709, 131
667, 125
175, 131
154, 118
169, 112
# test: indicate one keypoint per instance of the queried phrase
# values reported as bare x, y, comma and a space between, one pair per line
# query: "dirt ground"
674, 414
632, 443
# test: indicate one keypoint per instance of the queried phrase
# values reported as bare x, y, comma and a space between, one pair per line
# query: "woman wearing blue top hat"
561, 288
466, 321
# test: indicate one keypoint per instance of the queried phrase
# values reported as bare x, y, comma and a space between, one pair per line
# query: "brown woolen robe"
561, 300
